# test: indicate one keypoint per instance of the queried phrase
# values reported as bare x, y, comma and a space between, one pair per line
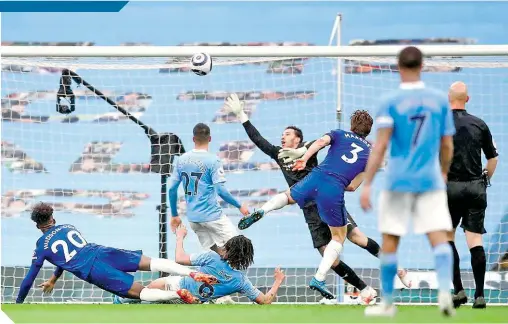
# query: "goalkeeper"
292, 138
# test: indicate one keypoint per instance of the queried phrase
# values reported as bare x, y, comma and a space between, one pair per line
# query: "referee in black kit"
467, 189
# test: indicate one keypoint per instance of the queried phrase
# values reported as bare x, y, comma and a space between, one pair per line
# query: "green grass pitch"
72, 313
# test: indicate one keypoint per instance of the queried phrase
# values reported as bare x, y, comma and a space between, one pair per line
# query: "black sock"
372, 247
346, 273
457, 281
479, 264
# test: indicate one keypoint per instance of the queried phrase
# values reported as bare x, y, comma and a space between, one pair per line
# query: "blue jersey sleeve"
448, 127
384, 119
248, 290
226, 195
334, 135
201, 259
37, 262
218, 174
174, 182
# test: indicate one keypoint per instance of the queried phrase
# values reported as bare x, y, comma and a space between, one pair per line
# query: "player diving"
105, 267
237, 257
293, 147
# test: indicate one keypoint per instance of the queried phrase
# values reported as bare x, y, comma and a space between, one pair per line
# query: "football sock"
346, 273
169, 266
372, 247
457, 281
388, 271
330, 254
479, 264
277, 202
154, 295
444, 266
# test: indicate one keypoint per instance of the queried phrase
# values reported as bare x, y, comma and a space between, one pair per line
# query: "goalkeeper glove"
234, 105
288, 155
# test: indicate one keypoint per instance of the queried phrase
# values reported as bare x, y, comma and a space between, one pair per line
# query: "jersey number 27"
74, 239
354, 152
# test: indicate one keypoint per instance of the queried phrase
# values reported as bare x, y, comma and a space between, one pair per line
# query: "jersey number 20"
71, 237
354, 152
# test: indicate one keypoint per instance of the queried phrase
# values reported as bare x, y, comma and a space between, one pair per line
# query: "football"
201, 64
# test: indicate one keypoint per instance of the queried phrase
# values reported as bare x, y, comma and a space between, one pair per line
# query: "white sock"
169, 266
277, 202
155, 295
330, 254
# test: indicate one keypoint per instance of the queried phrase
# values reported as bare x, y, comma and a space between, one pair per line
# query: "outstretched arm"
269, 297
181, 257
234, 105
316, 146
28, 282
49, 285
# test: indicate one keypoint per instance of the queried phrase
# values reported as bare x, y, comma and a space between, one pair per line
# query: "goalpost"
93, 164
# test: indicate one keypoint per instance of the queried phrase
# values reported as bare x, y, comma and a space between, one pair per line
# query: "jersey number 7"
419, 120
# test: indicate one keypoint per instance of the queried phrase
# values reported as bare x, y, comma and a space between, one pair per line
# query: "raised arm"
174, 183
234, 105
181, 257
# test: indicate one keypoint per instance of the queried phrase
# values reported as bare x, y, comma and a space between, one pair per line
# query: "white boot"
446, 304
368, 296
381, 310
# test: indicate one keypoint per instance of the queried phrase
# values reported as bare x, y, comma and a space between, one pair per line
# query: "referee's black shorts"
319, 230
467, 201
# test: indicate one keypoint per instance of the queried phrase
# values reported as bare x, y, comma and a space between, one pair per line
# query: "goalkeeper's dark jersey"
272, 151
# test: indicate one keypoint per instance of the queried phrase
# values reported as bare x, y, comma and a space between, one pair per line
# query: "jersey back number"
68, 247
354, 154
191, 190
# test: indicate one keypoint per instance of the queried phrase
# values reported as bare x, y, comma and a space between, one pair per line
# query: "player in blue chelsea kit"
238, 256
342, 170
105, 267
417, 121
203, 180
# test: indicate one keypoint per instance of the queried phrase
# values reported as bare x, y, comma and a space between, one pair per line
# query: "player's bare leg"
388, 270
276, 202
171, 267
330, 255
459, 297
443, 256
357, 237
368, 294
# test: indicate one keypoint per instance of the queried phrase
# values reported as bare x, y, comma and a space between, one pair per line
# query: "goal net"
93, 165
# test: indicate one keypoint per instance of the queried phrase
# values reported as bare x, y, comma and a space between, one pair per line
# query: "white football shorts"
428, 212
216, 232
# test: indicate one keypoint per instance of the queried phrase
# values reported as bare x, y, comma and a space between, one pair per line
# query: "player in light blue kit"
342, 170
203, 180
105, 267
417, 121
238, 256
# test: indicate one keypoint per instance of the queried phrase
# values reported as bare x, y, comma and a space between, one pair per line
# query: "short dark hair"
239, 252
201, 133
410, 58
42, 213
298, 132
361, 123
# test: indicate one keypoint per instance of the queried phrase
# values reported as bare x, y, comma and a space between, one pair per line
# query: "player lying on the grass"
326, 184
203, 182
417, 123
105, 267
237, 257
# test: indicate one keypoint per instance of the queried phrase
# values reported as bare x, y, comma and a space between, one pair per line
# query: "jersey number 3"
354, 152
75, 239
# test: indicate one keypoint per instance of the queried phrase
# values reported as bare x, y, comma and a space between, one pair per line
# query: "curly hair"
239, 252
361, 123
41, 213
